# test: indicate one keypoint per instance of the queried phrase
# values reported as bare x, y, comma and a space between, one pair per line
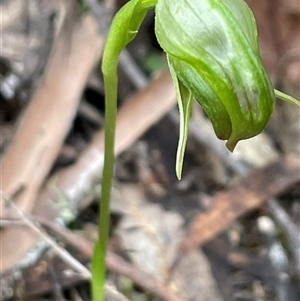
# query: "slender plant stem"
123, 29
286, 97
99, 269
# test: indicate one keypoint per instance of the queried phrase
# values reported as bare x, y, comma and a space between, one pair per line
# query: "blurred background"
229, 230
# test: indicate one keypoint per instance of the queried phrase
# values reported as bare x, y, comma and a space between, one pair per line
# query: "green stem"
98, 265
286, 97
123, 29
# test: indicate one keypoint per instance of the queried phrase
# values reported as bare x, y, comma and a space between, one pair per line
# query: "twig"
113, 293
115, 263
254, 190
10, 222
102, 12
90, 113
62, 253
57, 291
291, 230
133, 71
277, 257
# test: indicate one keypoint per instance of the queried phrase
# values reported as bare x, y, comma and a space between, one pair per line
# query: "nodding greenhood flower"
213, 55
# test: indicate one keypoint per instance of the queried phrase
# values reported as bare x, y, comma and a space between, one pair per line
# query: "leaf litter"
235, 264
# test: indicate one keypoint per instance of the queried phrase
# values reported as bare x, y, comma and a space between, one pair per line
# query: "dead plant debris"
229, 231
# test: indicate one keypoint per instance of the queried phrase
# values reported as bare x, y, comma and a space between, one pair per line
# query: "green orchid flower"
213, 56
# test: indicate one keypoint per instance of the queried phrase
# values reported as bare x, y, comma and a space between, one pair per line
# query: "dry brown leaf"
192, 276
148, 232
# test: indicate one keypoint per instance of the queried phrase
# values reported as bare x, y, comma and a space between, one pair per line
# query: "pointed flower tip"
231, 145
178, 169
178, 174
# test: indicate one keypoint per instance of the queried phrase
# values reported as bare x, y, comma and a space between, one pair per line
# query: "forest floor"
229, 230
